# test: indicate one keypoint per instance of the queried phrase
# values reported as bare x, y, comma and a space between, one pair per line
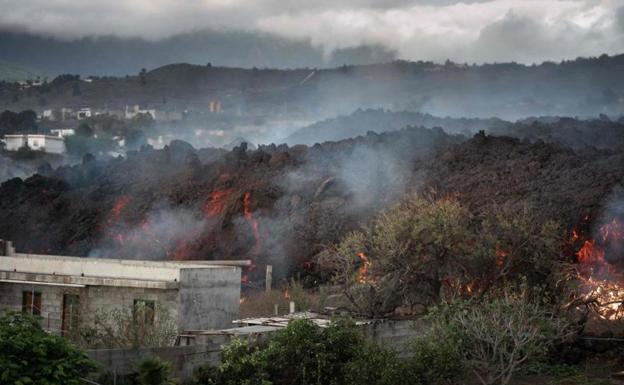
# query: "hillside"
584, 87
280, 204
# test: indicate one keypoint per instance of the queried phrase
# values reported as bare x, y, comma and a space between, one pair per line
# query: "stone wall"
183, 359
391, 334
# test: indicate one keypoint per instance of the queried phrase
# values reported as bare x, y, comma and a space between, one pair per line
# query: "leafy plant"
29, 355
154, 371
498, 336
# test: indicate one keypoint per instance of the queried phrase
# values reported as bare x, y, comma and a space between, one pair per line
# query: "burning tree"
598, 275
424, 250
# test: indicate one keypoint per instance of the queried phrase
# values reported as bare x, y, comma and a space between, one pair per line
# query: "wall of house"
54, 146
51, 301
209, 298
13, 144
92, 300
108, 298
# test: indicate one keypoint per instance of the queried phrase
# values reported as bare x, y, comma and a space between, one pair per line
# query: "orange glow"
363, 271
601, 287
501, 256
590, 253
118, 207
216, 203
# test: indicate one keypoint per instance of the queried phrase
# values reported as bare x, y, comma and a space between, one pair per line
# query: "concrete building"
131, 113
63, 132
36, 142
199, 295
83, 113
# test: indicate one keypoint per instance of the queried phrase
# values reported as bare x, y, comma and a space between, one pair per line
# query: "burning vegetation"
599, 272
281, 205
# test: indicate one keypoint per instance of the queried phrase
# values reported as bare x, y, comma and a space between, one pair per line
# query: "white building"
63, 132
83, 113
36, 142
136, 110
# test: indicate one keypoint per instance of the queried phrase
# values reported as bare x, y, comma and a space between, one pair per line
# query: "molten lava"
216, 203
113, 218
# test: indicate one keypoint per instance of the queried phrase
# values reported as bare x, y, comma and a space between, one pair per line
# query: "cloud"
468, 30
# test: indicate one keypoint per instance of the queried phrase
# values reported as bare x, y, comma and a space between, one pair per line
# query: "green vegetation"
29, 355
304, 354
426, 250
16, 123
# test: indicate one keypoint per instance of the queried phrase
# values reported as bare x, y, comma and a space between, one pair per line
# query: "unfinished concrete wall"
51, 301
183, 359
108, 298
208, 298
393, 334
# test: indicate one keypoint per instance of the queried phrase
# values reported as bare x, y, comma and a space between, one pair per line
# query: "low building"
36, 142
83, 113
199, 295
63, 132
131, 113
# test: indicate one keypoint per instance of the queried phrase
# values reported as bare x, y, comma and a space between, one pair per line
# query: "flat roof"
12, 136
104, 267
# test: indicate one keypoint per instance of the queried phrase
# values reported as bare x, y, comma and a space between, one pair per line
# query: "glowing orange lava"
216, 203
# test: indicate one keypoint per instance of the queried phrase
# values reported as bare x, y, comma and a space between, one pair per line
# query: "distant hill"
11, 72
378, 120
585, 87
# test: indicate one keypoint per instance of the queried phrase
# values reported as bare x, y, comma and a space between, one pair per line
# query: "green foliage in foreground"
304, 354
29, 355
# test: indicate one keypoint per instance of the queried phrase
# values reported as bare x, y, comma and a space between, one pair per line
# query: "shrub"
498, 336
435, 361
29, 355
304, 353
153, 371
426, 250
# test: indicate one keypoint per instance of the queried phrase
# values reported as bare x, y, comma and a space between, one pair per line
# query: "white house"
83, 113
63, 132
45, 143
135, 110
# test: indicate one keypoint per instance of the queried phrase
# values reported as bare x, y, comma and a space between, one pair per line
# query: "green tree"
29, 355
423, 250
498, 335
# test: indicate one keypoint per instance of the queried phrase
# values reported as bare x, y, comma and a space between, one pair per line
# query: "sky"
479, 31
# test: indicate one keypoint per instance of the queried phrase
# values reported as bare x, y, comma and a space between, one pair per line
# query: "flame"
216, 203
286, 294
242, 300
118, 207
590, 254
112, 220
363, 271
602, 288
501, 256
